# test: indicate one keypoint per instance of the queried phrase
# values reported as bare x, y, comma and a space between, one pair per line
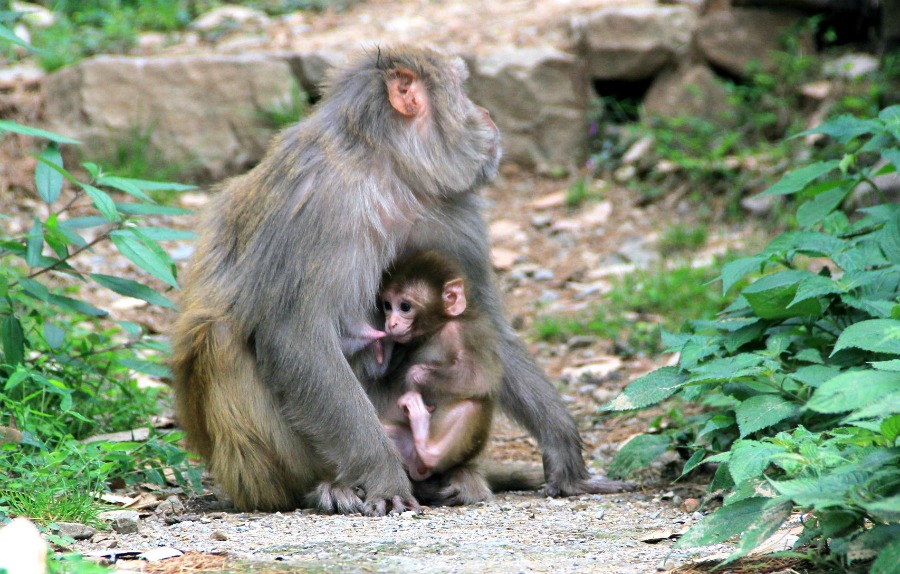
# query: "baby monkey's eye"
386, 305
405, 307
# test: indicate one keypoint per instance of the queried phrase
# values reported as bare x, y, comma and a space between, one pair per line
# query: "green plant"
637, 304
134, 156
66, 369
680, 238
801, 373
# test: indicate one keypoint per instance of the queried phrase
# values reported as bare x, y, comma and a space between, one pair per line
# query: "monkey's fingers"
399, 505
331, 498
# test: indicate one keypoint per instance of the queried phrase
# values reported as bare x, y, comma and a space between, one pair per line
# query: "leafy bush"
66, 370
801, 373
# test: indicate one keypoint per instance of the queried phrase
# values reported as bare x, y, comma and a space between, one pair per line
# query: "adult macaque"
289, 259
437, 407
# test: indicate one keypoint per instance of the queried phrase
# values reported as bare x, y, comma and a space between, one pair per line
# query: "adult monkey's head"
438, 141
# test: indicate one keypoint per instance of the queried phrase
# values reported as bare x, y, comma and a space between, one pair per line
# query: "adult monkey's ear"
406, 93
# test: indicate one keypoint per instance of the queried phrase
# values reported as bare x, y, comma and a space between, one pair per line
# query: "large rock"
688, 91
733, 39
311, 68
203, 112
633, 42
537, 98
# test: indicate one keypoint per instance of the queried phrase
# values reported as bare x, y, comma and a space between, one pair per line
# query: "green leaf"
769, 520
892, 365
853, 390
762, 411
890, 428
816, 209
103, 202
13, 339
727, 368
649, 389
890, 239
146, 185
11, 126
749, 459
150, 209
48, 180
158, 370
886, 509
126, 185
844, 128
724, 523
4, 285
815, 286
806, 242
796, 180
76, 306
54, 336
10, 36
131, 288
888, 558
875, 335
83, 222
773, 296
734, 271
34, 288
827, 491
815, 375
143, 256
167, 234
639, 452
693, 462
34, 244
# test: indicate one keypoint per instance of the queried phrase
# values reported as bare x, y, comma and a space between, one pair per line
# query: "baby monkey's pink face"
400, 309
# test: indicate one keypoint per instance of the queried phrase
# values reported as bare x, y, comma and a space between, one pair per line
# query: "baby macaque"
438, 404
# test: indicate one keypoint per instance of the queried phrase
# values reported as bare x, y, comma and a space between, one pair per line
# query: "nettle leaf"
762, 411
815, 286
734, 271
815, 375
693, 462
696, 350
890, 238
816, 209
795, 181
853, 390
638, 453
875, 335
131, 288
724, 523
744, 335
887, 406
649, 389
143, 256
750, 458
888, 558
826, 491
13, 339
48, 180
875, 308
727, 368
844, 128
890, 428
769, 520
807, 242
892, 365
886, 509
809, 355
773, 296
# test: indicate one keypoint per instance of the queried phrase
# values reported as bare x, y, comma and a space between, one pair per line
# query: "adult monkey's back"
287, 269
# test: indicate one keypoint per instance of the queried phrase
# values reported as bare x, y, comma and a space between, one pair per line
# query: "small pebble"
219, 535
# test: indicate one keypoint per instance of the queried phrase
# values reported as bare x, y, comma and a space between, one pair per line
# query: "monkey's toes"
399, 505
593, 485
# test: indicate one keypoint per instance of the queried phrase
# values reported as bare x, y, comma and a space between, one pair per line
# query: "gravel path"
513, 533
